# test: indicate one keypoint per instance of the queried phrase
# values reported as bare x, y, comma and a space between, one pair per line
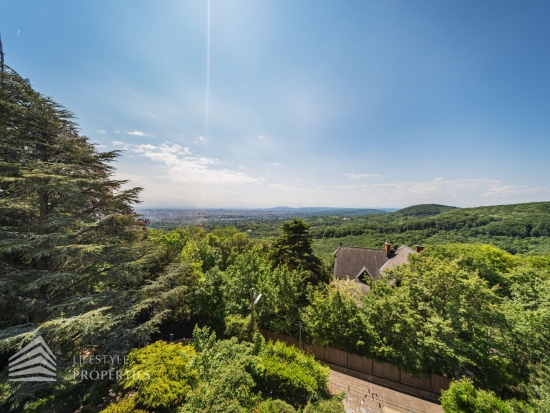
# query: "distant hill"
424, 210
518, 228
326, 210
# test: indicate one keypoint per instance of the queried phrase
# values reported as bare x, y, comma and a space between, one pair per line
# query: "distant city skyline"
258, 104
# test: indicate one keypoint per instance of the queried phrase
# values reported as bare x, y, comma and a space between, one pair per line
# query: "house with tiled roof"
357, 264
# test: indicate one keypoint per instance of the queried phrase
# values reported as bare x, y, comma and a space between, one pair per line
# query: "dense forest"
81, 269
519, 228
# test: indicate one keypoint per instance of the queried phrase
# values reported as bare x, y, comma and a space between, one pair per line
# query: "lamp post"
254, 298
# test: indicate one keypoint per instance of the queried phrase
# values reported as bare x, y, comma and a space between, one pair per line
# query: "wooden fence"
385, 374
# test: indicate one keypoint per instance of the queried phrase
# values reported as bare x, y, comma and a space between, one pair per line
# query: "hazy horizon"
142, 207
256, 104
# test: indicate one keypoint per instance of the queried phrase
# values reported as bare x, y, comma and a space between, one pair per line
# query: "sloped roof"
400, 256
352, 261
349, 261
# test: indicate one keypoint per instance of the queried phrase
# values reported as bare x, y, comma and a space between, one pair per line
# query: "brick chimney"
387, 247
419, 248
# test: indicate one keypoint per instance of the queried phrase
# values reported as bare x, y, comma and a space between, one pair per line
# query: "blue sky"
311, 103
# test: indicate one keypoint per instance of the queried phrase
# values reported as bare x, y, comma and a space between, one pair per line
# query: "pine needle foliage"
64, 222
76, 266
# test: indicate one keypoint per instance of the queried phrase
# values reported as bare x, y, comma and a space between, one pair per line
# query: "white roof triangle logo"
34, 362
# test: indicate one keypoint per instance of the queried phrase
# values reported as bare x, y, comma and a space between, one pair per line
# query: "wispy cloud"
181, 165
18, 31
458, 192
102, 131
276, 164
121, 145
151, 115
358, 176
136, 133
511, 190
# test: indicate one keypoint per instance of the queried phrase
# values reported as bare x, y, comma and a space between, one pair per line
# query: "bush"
160, 374
228, 391
237, 326
274, 406
333, 405
127, 405
463, 397
287, 373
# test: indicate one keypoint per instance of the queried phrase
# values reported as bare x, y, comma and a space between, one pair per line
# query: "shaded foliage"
444, 313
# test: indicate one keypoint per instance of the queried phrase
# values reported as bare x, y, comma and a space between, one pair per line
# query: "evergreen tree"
75, 264
62, 217
294, 249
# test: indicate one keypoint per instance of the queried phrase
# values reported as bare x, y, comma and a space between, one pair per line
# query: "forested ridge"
518, 228
81, 269
518, 221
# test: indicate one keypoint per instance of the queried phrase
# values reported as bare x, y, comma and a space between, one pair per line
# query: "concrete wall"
386, 374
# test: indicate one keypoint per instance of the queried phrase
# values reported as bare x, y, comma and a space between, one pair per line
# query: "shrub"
274, 406
228, 391
127, 405
463, 397
333, 405
160, 374
287, 373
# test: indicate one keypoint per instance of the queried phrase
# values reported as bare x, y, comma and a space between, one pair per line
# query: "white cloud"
458, 192
438, 179
102, 131
122, 145
510, 190
261, 137
180, 165
136, 133
151, 115
276, 164
201, 138
189, 180
354, 176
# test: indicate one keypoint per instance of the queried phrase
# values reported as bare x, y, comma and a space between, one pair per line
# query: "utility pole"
253, 301
1, 54
252, 297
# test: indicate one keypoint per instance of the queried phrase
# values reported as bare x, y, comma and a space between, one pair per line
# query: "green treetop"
294, 249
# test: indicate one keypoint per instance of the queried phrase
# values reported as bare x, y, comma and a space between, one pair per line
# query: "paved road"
365, 397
